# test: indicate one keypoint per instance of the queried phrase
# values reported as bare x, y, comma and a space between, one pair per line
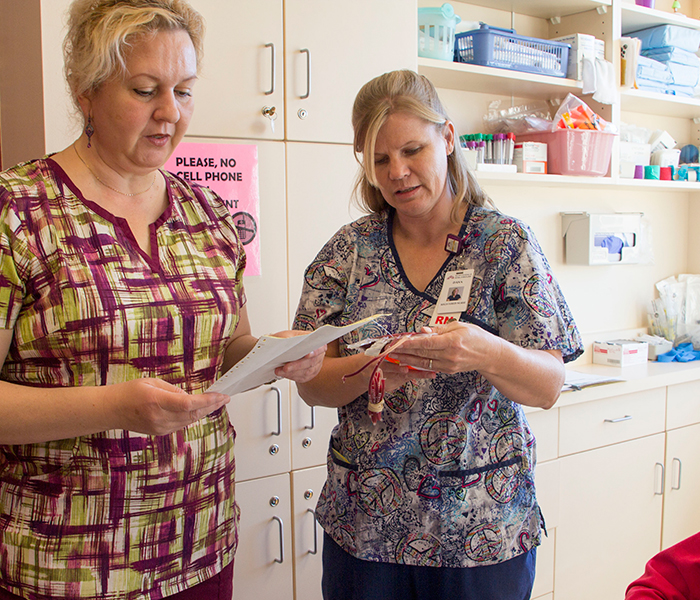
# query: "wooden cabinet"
264, 563
311, 427
618, 477
682, 481
610, 421
308, 535
682, 489
243, 70
610, 518
611, 493
328, 51
332, 49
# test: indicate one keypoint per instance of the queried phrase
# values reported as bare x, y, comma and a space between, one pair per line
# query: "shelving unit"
636, 17
570, 477
601, 183
544, 9
461, 76
619, 17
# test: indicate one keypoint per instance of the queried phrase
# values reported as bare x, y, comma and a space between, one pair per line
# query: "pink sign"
231, 170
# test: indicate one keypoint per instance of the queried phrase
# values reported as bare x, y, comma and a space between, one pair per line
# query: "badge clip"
454, 244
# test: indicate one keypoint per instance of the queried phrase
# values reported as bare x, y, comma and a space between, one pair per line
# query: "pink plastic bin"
575, 151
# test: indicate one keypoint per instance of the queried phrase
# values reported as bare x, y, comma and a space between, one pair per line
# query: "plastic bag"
574, 113
519, 120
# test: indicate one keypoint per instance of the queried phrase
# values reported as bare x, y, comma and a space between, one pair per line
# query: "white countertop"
636, 378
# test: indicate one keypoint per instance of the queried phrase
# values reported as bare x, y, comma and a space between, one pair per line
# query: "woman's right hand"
155, 407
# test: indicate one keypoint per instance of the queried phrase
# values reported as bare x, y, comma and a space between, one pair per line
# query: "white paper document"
258, 366
577, 381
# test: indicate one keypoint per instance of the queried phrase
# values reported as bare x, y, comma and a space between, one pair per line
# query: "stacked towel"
668, 63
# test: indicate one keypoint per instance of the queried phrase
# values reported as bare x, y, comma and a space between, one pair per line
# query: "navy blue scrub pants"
348, 578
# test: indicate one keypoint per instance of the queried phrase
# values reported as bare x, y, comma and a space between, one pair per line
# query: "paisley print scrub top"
446, 479
116, 514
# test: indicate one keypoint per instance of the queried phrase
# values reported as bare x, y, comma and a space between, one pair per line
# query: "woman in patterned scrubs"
121, 301
437, 500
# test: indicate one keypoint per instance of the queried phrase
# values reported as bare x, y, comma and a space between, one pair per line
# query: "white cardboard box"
631, 155
583, 45
530, 157
493, 168
620, 353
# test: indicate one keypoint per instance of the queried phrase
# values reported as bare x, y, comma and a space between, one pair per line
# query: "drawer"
544, 425
612, 420
683, 407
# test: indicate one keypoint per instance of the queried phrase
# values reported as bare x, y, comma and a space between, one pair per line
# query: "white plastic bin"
436, 31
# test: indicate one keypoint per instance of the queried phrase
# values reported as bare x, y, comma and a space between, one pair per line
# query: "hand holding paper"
271, 352
305, 368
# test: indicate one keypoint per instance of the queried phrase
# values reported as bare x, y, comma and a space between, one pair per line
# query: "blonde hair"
404, 91
100, 31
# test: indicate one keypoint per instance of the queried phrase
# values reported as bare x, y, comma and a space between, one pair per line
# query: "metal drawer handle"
272, 70
663, 479
313, 513
279, 410
308, 72
280, 560
678, 480
313, 419
619, 419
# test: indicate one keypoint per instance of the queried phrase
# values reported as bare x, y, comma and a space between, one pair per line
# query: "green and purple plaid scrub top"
117, 514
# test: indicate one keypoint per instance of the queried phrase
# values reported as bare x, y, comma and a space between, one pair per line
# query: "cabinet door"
267, 293
308, 535
320, 179
311, 430
547, 483
332, 50
682, 490
263, 565
683, 407
261, 420
242, 70
609, 518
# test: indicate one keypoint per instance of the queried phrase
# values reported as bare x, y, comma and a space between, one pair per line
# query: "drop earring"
89, 130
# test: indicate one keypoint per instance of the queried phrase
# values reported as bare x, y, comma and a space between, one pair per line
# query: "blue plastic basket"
503, 48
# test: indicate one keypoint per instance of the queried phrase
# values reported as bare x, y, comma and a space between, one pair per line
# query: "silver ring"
430, 364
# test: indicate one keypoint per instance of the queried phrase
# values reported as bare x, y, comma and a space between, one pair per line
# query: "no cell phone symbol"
246, 226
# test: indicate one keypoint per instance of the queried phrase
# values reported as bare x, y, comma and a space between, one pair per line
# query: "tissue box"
583, 46
530, 157
620, 353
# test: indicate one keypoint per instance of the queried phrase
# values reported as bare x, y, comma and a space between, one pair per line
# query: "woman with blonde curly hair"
121, 301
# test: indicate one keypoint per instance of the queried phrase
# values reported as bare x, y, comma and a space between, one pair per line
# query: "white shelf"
543, 9
518, 179
636, 17
659, 104
491, 80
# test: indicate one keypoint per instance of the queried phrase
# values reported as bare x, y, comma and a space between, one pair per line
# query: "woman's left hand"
304, 369
452, 348
525, 375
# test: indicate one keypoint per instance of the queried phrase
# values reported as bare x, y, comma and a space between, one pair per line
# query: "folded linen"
672, 54
668, 35
684, 75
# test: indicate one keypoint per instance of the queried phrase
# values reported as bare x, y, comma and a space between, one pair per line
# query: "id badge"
454, 297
